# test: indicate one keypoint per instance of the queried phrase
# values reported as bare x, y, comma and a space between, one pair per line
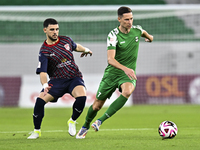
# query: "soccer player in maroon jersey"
57, 61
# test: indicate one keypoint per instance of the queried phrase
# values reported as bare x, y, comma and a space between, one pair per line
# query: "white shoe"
82, 133
96, 125
35, 135
72, 127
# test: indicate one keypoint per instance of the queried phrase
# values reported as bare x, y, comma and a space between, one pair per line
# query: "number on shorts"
99, 94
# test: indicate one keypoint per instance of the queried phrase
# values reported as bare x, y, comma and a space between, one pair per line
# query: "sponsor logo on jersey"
64, 64
122, 42
64, 60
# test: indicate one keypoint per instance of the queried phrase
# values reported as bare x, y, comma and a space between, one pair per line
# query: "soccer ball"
167, 129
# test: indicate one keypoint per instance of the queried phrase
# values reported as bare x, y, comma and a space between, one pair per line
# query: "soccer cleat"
72, 127
96, 125
82, 133
35, 135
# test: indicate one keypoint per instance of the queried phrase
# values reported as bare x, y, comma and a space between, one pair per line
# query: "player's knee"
127, 93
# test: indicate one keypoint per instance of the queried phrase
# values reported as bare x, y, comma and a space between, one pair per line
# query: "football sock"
90, 116
38, 113
113, 108
78, 107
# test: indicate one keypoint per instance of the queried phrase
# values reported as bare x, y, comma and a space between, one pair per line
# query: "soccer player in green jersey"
122, 52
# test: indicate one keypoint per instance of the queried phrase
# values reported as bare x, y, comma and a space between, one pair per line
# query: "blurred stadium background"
168, 69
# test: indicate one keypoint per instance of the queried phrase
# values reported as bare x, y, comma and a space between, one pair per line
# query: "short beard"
52, 39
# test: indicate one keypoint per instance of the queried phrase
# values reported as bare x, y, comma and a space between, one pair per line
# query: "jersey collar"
52, 44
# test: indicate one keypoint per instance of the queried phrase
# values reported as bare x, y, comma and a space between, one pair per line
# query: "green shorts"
110, 83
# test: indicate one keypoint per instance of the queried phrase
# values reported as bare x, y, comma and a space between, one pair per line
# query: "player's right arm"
42, 71
148, 37
112, 61
43, 80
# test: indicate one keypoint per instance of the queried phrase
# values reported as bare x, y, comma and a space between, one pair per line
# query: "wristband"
45, 85
86, 50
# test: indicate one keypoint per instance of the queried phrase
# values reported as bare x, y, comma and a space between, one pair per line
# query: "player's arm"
44, 80
148, 37
85, 51
112, 61
41, 70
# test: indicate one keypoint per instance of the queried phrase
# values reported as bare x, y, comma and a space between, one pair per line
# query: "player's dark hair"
49, 21
122, 10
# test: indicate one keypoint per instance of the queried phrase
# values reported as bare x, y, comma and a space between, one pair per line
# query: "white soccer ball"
167, 129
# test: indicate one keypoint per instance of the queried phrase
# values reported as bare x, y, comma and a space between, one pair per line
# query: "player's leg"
127, 88
105, 90
38, 114
92, 112
39, 108
80, 95
78, 91
52, 96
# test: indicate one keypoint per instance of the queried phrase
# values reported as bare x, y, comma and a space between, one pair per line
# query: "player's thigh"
79, 91
105, 90
77, 87
127, 89
47, 98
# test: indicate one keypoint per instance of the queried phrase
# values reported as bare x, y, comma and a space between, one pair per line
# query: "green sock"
90, 116
113, 108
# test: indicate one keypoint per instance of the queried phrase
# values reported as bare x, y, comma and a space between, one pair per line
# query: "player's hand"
46, 90
147, 40
86, 53
150, 39
130, 73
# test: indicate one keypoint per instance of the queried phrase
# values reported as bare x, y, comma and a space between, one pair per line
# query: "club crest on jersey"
67, 46
111, 39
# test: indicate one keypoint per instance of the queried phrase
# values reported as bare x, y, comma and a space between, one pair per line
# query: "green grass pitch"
132, 128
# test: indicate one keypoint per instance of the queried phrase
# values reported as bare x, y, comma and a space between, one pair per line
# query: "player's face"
126, 21
52, 32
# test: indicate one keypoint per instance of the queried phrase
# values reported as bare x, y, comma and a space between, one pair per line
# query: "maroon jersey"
57, 60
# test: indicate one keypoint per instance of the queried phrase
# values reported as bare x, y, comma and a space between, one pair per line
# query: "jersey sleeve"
139, 28
43, 63
111, 41
73, 44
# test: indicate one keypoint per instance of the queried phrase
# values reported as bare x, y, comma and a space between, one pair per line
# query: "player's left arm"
85, 51
148, 37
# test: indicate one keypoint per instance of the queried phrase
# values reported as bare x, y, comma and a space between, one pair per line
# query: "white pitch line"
130, 129
127, 129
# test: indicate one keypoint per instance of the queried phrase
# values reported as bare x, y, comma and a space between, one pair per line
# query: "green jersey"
126, 46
